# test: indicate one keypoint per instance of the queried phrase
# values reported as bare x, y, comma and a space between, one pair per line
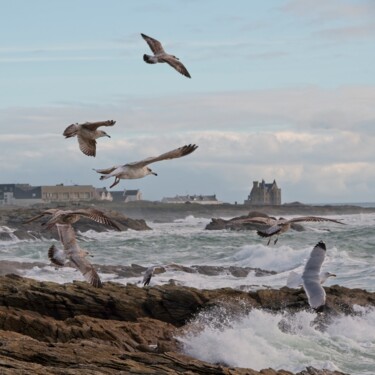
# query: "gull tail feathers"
147, 59
70, 131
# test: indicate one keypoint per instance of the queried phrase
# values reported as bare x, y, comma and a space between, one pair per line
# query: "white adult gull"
87, 134
281, 225
295, 279
149, 273
316, 295
160, 56
58, 216
140, 169
74, 254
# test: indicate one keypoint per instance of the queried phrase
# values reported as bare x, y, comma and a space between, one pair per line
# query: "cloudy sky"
280, 89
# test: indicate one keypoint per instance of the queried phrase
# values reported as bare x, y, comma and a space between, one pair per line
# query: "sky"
280, 89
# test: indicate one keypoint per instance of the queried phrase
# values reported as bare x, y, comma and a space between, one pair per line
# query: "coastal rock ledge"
48, 328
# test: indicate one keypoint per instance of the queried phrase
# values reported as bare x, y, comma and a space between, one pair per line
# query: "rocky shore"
48, 328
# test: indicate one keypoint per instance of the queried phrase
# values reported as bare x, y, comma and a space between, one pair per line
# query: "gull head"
149, 171
103, 134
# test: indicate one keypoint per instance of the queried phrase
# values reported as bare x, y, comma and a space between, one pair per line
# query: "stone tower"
264, 194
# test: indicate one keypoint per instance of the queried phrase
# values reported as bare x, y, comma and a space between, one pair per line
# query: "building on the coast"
20, 194
68, 193
119, 196
263, 193
201, 199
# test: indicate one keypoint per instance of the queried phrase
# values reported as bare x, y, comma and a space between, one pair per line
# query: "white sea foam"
260, 339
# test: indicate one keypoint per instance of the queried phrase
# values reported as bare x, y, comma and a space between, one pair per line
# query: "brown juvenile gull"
160, 56
72, 216
87, 134
74, 254
316, 295
139, 169
279, 226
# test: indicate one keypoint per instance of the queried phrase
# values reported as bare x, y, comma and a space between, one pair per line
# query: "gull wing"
173, 154
94, 125
154, 44
107, 170
96, 215
87, 269
50, 211
176, 64
313, 218
311, 276
74, 252
67, 237
87, 146
274, 229
257, 220
57, 256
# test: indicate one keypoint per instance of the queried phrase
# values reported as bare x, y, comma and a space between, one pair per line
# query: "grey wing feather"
311, 277
87, 269
176, 64
96, 215
67, 236
313, 218
50, 211
87, 146
154, 44
173, 154
269, 231
107, 170
95, 125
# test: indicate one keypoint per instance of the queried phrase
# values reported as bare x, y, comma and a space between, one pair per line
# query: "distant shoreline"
157, 211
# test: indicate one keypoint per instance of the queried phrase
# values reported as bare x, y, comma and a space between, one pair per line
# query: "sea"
204, 259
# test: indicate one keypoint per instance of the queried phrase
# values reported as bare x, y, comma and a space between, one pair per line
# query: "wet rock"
48, 328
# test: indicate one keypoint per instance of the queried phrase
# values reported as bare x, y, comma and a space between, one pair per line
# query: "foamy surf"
260, 339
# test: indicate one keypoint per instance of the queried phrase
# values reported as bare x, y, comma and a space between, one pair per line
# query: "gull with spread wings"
279, 226
140, 169
87, 134
73, 254
58, 216
160, 56
316, 295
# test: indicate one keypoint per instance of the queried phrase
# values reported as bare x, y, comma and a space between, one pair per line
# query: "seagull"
72, 216
139, 169
316, 295
87, 134
74, 253
160, 56
148, 274
295, 279
279, 226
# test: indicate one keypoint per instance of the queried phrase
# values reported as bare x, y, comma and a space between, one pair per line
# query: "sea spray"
260, 339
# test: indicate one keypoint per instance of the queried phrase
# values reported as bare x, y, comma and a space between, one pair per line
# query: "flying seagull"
87, 134
316, 295
74, 253
295, 279
160, 56
139, 169
279, 226
72, 216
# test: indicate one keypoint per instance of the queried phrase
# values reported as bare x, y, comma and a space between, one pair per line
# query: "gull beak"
108, 136
155, 174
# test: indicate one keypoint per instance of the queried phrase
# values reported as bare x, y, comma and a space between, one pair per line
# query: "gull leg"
269, 241
277, 238
117, 180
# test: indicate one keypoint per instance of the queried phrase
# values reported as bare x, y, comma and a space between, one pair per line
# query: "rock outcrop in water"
14, 218
220, 224
48, 328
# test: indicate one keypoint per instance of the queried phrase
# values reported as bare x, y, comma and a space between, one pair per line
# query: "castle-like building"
264, 194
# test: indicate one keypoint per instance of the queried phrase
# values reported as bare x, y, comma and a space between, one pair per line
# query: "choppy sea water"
253, 339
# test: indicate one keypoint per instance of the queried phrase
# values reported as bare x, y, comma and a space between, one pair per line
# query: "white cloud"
317, 144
